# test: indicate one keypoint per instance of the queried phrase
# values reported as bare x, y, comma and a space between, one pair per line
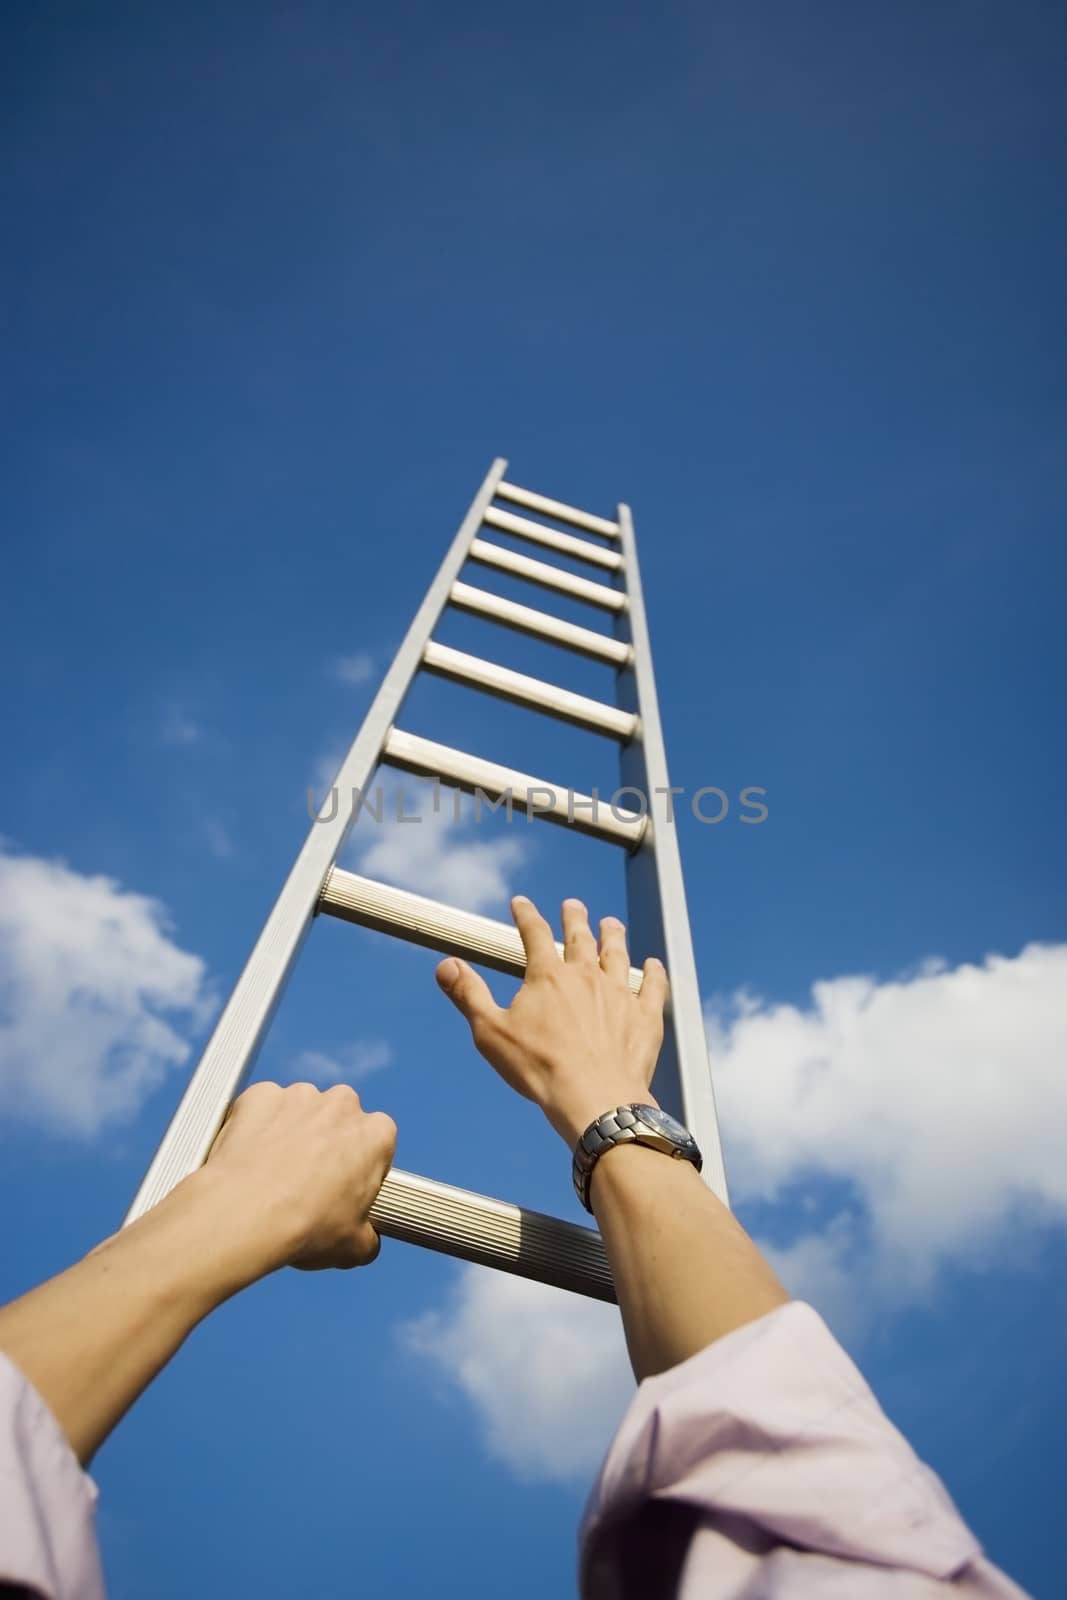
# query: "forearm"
685, 1271
290, 1180
91, 1339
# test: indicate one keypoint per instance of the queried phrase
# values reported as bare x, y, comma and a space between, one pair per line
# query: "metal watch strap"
624, 1125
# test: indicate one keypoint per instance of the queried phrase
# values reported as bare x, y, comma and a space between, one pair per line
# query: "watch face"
663, 1123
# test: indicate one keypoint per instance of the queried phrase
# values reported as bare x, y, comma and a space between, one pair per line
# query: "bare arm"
576, 1042
290, 1181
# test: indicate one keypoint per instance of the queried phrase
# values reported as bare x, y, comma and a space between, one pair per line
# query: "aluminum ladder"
417, 1209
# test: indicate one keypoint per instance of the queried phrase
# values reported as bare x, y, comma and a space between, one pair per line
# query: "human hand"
574, 1039
300, 1168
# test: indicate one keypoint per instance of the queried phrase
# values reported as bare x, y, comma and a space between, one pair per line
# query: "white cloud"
436, 855
825, 1268
177, 728
938, 1100
88, 978
354, 669
348, 1064
546, 1372
219, 840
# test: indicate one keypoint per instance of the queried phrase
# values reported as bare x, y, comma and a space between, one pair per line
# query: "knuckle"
385, 1129
264, 1090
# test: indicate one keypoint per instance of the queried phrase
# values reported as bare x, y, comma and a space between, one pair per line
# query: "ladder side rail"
655, 888
231, 1050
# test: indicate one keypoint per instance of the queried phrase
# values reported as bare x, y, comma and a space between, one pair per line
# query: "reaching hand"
574, 1039
302, 1168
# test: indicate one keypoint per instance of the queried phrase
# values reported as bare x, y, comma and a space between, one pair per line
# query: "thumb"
468, 992
653, 995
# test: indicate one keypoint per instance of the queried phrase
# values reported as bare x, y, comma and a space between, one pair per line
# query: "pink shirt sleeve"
764, 1466
47, 1503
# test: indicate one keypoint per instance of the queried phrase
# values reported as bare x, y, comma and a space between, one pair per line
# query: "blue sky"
285, 279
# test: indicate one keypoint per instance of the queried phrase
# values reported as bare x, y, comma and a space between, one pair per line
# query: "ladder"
417, 1209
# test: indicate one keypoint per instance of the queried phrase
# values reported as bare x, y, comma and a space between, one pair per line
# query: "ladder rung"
522, 690
556, 508
493, 1233
524, 619
597, 594
553, 802
565, 543
429, 923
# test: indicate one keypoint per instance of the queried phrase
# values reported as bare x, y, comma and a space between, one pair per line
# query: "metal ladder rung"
560, 804
492, 1233
430, 923
565, 543
556, 508
456, 665
597, 594
524, 619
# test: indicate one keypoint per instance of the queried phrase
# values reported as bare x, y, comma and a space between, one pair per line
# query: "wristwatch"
646, 1125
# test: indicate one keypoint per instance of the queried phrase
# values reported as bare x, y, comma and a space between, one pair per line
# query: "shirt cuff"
47, 1502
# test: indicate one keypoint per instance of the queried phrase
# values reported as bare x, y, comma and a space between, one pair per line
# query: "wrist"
573, 1112
619, 1174
223, 1243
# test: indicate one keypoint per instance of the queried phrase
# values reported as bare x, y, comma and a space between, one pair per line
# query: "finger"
653, 996
369, 1245
263, 1091
259, 1099
302, 1093
614, 957
358, 1249
467, 990
536, 935
578, 942
383, 1129
344, 1095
